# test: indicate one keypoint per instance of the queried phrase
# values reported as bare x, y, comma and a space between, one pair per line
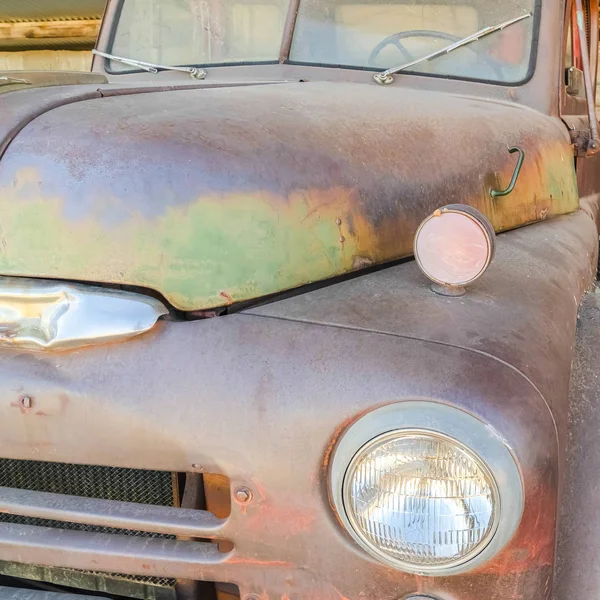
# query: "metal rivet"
338, 221
342, 239
197, 467
26, 401
243, 495
251, 597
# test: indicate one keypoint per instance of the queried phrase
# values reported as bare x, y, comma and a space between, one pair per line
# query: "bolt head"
26, 401
243, 495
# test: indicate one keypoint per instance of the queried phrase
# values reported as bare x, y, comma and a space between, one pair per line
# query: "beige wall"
46, 60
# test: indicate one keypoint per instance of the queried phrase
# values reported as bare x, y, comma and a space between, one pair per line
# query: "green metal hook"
513, 181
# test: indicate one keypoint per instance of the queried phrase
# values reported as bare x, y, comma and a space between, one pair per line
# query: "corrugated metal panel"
58, 43
50, 10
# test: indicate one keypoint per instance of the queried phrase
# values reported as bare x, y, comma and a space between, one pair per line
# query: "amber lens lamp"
453, 247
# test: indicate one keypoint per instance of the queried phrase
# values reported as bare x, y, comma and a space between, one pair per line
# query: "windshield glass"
198, 32
383, 34
370, 34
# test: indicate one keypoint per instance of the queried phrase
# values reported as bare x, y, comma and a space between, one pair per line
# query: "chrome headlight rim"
459, 428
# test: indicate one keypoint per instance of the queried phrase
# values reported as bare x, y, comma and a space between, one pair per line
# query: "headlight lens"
420, 499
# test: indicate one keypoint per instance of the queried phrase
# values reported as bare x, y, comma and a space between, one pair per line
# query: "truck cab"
297, 302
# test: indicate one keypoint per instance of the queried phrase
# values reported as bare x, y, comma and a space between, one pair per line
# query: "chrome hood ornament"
53, 315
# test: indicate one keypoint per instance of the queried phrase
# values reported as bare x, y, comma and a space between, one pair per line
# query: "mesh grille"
108, 483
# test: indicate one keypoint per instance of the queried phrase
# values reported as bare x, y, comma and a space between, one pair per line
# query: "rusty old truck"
297, 301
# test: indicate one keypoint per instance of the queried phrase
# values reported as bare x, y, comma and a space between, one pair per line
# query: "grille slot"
157, 488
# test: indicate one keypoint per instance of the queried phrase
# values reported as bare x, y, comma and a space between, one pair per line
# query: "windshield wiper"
193, 72
385, 77
5, 80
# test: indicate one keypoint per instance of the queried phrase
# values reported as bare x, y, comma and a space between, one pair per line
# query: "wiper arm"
193, 72
5, 80
386, 77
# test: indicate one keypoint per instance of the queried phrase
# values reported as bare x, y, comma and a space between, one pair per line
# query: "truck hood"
212, 196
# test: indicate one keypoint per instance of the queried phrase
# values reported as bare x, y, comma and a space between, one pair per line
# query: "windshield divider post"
288, 31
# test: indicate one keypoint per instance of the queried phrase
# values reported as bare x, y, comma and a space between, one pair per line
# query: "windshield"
199, 32
371, 34
386, 34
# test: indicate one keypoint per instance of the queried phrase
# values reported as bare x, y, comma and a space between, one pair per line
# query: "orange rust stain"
227, 297
20, 406
342, 597
290, 519
240, 560
335, 437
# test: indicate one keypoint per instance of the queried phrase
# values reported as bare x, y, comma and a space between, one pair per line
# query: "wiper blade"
193, 72
386, 77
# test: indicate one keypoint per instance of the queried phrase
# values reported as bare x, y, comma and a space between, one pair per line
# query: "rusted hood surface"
212, 196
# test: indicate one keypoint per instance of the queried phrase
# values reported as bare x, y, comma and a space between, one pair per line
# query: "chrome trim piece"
110, 513
110, 553
53, 315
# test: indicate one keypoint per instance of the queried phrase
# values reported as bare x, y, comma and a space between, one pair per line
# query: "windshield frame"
289, 29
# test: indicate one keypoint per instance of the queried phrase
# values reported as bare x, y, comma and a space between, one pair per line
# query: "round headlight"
420, 500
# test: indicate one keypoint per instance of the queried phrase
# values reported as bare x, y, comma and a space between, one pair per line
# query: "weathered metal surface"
271, 422
577, 572
220, 195
496, 320
109, 513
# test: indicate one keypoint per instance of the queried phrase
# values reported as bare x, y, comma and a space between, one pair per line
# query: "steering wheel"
394, 40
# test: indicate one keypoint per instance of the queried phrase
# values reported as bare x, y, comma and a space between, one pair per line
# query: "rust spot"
24, 404
361, 262
240, 560
227, 297
295, 520
342, 597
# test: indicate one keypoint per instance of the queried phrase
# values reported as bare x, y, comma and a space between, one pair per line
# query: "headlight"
426, 488
420, 499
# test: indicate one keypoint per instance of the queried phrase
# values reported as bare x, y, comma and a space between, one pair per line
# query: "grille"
108, 483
